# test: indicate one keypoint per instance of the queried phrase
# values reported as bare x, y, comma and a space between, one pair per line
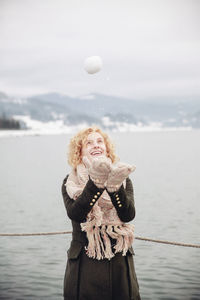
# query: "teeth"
96, 152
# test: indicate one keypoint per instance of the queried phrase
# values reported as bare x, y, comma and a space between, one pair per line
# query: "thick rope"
167, 242
137, 238
33, 234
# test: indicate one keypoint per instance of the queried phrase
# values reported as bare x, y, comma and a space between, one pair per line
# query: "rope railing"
136, 238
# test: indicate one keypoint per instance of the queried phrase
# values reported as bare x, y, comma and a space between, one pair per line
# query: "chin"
97, 156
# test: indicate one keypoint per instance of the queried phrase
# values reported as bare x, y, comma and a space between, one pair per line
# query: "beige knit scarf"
102, 221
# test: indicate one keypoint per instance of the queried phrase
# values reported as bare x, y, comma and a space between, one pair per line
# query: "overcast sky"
149, 48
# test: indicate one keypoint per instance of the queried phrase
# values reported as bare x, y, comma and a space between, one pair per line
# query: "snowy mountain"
109, 112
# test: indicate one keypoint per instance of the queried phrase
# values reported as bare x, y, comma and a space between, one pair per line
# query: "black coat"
91, 279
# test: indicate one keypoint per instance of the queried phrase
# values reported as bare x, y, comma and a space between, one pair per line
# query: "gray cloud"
148, 48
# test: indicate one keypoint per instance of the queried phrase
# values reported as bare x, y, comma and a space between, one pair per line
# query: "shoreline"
71, 130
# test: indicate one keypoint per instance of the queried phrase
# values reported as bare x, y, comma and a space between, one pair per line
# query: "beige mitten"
119, 172
98, 169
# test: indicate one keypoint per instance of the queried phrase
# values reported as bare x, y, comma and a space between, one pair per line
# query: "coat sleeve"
78, 209
123, 201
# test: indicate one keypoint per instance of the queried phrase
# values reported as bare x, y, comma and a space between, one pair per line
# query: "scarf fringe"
108, 249
99, 244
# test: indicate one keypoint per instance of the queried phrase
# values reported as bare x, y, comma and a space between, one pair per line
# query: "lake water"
167, 198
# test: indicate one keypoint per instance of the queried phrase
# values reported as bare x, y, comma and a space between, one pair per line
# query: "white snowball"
93, 64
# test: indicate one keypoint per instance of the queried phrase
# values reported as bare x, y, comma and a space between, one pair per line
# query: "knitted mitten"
98, 169
119, 172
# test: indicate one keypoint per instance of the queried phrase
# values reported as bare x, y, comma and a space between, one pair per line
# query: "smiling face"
94, 146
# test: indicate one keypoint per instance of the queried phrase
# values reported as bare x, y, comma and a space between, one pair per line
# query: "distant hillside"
106, 111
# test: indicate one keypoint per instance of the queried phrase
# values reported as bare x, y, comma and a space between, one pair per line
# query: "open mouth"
96, 153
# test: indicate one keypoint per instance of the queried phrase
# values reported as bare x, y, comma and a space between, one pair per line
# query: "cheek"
85, 151
104, 146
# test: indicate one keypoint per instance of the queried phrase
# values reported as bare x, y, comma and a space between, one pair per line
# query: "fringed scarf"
102, 221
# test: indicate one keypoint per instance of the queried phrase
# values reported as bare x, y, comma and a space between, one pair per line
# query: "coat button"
91, 203
118, 202
120, 205
93, 200
95, 196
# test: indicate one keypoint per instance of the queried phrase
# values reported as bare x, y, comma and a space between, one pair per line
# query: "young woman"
98, 196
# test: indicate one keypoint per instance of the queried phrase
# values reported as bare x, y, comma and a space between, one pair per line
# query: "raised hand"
98, 169
119, 172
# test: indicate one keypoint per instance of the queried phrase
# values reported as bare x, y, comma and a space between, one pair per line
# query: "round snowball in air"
93, 64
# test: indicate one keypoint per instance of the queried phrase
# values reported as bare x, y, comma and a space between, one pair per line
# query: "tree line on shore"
9, 123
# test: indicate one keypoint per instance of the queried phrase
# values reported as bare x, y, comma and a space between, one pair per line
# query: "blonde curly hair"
77, 142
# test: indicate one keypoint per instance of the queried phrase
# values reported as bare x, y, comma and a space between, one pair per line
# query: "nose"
95, 144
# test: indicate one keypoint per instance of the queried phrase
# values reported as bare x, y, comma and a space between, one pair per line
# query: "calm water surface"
167, 196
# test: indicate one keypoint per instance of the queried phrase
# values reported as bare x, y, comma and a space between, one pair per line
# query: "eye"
100, 141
